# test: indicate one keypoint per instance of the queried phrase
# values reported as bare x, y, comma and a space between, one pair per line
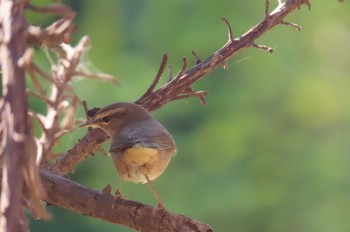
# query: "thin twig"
170, 71
198, 60
183, 68
40, 97
158, 76
230, 34
36, 83
45, 75
86, 109
267, 6
99, 76
268, 49
296, 26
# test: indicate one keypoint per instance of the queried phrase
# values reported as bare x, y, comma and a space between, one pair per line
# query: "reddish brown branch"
198, 59
158, 76
171, 90
230, 33
263, 47
296, 26
98, 204
267, 7
80, 151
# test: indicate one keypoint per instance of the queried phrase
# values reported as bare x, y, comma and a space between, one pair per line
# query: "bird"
141, 147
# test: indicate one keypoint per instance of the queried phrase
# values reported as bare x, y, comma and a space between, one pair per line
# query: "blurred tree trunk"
13, 115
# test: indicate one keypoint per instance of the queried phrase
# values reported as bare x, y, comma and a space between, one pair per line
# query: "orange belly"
134, 163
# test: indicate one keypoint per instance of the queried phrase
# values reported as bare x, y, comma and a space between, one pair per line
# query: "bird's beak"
87, 124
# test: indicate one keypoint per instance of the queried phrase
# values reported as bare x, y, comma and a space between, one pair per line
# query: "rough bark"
14, 116
98, 204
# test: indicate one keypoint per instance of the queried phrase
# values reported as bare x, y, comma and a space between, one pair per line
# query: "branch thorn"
107, 189
268, 49
157, 77
170, 71
198, 60
267, 6
183, 68
307, 2
86, 109
203, 102
296, 26
230, 34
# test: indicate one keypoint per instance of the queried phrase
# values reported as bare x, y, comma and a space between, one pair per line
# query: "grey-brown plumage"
141, 147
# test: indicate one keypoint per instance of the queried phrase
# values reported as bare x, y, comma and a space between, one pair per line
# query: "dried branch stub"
58, 32
60, 100
198, 59
31, 176
296, 26
230, 33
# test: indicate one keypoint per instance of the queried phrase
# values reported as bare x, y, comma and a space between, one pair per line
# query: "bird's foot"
118, 196
160, 205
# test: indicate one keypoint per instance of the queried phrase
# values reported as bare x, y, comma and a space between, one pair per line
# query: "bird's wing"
148, 133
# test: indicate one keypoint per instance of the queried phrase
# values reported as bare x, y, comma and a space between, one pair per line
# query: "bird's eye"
105, 119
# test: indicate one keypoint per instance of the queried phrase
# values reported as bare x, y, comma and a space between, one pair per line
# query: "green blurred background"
269, 153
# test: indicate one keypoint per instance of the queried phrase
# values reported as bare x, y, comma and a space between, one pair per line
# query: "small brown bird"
141, 147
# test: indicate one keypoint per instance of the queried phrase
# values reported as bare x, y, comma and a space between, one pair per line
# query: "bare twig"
296, 26
36, 82
170, 71
98, 76
172, 89
198, 60
158, 76
263, 47
267, 6
183, 68
230, 34
40, 97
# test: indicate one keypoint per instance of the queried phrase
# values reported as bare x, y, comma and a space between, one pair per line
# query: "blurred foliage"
269, 153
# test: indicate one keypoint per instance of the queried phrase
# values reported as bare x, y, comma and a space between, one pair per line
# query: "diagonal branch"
170, 91
98, 204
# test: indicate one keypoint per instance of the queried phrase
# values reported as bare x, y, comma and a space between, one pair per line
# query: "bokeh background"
269, 153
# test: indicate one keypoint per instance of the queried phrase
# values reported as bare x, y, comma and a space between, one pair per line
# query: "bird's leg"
160, 202
117, 193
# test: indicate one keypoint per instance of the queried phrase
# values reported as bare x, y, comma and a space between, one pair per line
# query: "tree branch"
171, 90
98, 204
14, 114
